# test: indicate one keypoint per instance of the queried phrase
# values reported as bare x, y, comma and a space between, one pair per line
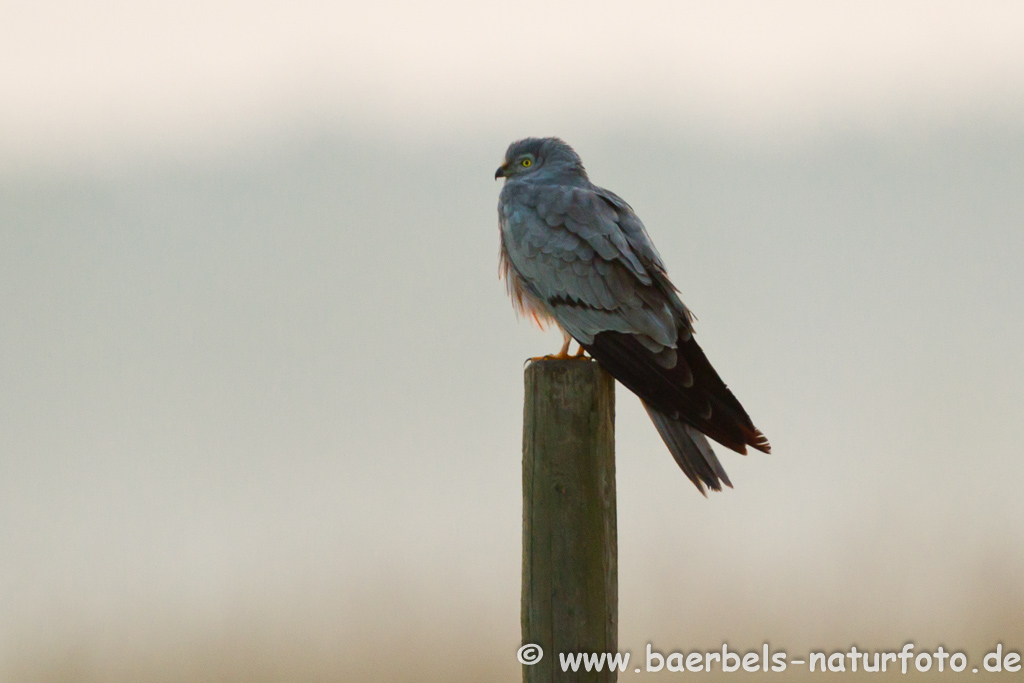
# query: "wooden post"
570, 568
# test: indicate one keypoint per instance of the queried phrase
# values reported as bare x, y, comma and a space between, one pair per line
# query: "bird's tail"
691, 450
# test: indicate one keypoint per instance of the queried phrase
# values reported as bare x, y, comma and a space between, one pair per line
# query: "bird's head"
530, 155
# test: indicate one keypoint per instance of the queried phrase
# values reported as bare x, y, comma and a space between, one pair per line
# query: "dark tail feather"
691, 451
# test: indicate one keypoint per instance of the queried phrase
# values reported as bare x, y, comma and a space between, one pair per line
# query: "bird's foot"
553, 356
562, 355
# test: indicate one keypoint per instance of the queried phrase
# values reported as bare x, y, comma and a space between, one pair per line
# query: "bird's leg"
580, 352
563, 353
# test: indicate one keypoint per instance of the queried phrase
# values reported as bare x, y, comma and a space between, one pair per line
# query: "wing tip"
760, 442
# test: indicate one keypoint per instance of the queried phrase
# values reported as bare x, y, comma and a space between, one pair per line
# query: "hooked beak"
500, 173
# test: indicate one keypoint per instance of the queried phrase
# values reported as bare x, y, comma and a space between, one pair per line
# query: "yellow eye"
526, 162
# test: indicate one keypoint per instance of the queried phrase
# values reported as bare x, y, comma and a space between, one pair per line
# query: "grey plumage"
577, 255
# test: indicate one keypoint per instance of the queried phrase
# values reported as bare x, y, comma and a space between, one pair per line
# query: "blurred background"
261, 389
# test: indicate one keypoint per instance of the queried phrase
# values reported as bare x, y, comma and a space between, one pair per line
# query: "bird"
577, 255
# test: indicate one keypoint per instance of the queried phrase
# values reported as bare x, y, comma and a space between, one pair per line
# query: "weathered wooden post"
570, 568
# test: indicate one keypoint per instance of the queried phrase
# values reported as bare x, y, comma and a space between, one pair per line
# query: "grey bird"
577, 255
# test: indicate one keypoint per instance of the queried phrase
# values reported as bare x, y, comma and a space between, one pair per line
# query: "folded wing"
583, 254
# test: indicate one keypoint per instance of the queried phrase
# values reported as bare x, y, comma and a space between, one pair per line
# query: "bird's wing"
565, 243
586, 255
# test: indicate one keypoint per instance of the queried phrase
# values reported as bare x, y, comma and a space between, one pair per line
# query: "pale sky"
81, 78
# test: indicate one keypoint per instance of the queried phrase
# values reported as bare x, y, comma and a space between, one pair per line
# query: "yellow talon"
563, 353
